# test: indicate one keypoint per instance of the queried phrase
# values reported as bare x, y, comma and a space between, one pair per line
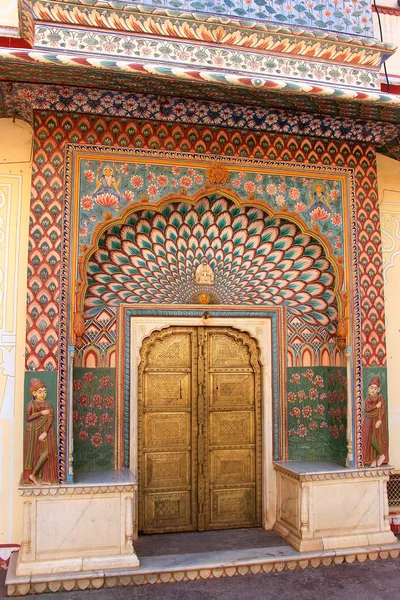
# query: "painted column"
15, 188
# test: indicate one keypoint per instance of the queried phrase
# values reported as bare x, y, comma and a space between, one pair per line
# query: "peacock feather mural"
256, 259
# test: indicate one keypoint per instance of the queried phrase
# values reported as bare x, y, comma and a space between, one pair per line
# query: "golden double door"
199, 435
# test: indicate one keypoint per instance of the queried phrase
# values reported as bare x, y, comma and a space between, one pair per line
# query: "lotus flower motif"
320, 214
256, 260
107, 199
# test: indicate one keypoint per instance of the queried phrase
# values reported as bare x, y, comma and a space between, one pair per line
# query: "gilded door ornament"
204, 274
199, 430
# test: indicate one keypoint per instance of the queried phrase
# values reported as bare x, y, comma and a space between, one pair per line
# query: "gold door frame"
199, 444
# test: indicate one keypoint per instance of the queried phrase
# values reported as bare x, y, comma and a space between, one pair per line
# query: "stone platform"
190, 556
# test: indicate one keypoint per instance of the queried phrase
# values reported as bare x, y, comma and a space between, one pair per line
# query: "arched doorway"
199, 430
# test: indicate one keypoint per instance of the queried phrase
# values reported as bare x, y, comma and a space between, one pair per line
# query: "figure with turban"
375, 431
40, 462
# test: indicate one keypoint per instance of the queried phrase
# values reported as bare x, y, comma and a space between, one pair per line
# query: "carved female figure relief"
40, 460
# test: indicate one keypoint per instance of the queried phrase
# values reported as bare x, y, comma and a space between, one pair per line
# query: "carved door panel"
233, 439
199, 431
168, 432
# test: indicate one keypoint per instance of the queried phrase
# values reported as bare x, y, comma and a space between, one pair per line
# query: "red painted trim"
391, 89
385, 10
11, 42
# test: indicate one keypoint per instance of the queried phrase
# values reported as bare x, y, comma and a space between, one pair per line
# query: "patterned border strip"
87, 581
12, 59
142, 18
195, 55
57, 98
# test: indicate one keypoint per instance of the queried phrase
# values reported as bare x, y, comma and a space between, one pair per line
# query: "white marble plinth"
322, 505
84, 526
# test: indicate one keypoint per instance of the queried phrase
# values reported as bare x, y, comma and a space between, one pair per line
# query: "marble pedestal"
322, 505
83, 526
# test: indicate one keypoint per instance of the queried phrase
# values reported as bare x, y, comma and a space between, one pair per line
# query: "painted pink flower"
87, 202
242, 175
338, 413
295, 378
319, 214
83, 399
338, 244
91, 419
271, 189
249, 186
323, 425
97, 440
89, 377
280, 200
313, 393
344, 412
292, 432
174, 183
282, 188
152, 190
320, 409
105, 381
186, 181
334, 194
336, 219
306, 412
335, 432
83, 232
89, 175
313, 425
151, 177
136, 181
109, 402
322, 396
258, 177
294, 193
109, 438
332, 412
78, 385
83, 435
108, 200
295, 412
175, 170
302, 431
300, 207
319, 381
309, 374
124, 169
75, 416
162, 180
198, 179
236, 182
103, 418
129, 195
301, 395
291, 397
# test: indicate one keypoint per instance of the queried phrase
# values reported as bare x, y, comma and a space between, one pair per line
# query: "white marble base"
323, 505
85, 526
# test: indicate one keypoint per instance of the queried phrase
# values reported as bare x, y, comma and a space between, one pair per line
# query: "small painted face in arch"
40, 394
373, 389
107, 171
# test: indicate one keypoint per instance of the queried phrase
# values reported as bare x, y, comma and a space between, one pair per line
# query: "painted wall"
389, 199
15, 189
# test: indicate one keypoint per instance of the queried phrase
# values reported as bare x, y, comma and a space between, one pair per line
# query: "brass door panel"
199, 430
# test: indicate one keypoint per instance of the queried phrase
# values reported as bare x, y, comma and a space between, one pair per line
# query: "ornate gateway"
199, 430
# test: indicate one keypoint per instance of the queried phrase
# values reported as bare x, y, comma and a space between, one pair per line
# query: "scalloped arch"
150, 254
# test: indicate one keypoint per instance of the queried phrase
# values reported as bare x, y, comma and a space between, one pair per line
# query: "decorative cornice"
331, 475
75, 489
222, 31
123, 16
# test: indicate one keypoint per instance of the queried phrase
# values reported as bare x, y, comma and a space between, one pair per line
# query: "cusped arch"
150, 254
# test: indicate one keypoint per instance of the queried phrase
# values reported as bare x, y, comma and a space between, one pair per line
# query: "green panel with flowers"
94, 418
317, 411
